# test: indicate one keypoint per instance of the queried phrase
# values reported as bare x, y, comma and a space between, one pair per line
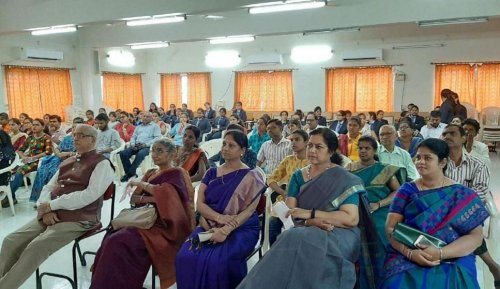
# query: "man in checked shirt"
473, 173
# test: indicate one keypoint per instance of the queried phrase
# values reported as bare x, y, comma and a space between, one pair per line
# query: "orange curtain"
123, 91
38, 91
199, 90
359, 89
264, 91
488, 86
171, 92
458, 77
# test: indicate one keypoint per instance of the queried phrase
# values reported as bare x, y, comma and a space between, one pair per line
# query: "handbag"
142, 218
408, 236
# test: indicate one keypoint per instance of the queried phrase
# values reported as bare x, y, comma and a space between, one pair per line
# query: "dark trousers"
140, 155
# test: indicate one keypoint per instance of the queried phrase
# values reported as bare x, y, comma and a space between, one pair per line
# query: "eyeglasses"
80, 135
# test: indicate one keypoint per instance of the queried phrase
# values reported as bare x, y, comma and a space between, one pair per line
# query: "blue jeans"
16, 183
140, 155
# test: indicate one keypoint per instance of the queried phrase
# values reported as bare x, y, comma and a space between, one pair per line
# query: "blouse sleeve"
294, 185
401, 198
209, 175
352, 200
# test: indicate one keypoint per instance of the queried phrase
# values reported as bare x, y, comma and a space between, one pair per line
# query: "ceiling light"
322, 31
222, 58
157, 19
121, 58
285, 6
311, 54
145, 45
215, 17
232, 39
418, 46
53, 30
453, 21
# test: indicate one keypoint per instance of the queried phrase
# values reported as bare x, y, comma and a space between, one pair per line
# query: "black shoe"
5, 202
125, 178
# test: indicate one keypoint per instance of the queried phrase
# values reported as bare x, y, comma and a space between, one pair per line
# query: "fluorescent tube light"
146, 45
453, 21
157, 20
53, 30
287, 7
322, 31
232, 39
418, 46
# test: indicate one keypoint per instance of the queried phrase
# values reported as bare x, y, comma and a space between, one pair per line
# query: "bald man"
69, 205
389, 153
140, 142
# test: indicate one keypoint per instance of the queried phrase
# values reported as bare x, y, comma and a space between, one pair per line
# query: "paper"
205, 236
127, 192
281, 211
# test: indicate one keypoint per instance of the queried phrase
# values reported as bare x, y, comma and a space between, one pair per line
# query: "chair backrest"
212, 147
490, 115
262, 173
471, 110
110, 194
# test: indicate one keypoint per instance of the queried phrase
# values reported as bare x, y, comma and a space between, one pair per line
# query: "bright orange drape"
264, 91
199, 90
359, 89
458, 77
488, 86
123, 91
38, 91
171, 90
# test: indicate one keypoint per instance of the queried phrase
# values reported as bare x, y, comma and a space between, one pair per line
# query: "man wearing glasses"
69, 205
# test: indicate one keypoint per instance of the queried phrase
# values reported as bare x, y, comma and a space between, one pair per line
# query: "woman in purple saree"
227, 199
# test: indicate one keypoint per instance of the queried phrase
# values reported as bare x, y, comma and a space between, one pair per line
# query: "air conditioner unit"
362, 54
265, 58
36, 54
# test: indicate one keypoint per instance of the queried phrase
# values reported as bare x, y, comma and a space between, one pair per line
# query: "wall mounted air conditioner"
265, 58
362, 54
36, 54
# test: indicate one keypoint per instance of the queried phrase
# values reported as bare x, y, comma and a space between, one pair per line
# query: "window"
477, 84
359, 89
123, 91
38, 91
264, 90
192, 88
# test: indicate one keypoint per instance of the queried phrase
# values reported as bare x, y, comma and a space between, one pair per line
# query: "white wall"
308, 79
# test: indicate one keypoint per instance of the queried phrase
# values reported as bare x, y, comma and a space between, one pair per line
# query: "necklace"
422, 186
308, 170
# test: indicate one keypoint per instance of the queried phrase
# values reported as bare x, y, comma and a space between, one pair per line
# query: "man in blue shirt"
142, 139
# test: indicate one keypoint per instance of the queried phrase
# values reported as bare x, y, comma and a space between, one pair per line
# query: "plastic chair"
108, 195
114, 157
212, 147
6, 188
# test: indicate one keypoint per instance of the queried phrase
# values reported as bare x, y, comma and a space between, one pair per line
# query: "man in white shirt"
274, 150
434, 127
108, 139
389, 153
474, 147
69, 205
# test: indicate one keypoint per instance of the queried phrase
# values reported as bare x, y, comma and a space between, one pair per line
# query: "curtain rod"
39, 67
477, 62
192, 72
363, 66
265, 70
123, 73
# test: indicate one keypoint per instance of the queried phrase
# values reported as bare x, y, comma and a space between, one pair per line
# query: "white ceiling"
378, 19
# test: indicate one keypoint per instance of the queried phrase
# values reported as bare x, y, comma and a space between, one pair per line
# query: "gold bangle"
440, 254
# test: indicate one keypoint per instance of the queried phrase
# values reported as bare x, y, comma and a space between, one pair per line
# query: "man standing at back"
389, 153
69, 205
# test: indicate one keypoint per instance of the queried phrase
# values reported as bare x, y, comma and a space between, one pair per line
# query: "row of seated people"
325, 202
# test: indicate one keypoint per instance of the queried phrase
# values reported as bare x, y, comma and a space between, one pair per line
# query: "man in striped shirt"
274, 150
473, 173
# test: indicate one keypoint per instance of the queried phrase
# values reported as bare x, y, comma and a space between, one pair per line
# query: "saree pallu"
222, 265
309, 257
191, 163
125, 256
446, 213
50, 165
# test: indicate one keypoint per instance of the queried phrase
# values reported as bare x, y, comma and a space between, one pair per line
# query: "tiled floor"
60, 262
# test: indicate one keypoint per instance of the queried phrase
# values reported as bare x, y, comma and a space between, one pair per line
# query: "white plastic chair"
114, 157
6, 188
212, 147
204, 136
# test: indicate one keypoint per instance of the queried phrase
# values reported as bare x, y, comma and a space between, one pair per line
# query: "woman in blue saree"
323, 247
444, 209
50, 164
227, 199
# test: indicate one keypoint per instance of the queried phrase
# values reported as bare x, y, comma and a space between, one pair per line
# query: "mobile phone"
423, 242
